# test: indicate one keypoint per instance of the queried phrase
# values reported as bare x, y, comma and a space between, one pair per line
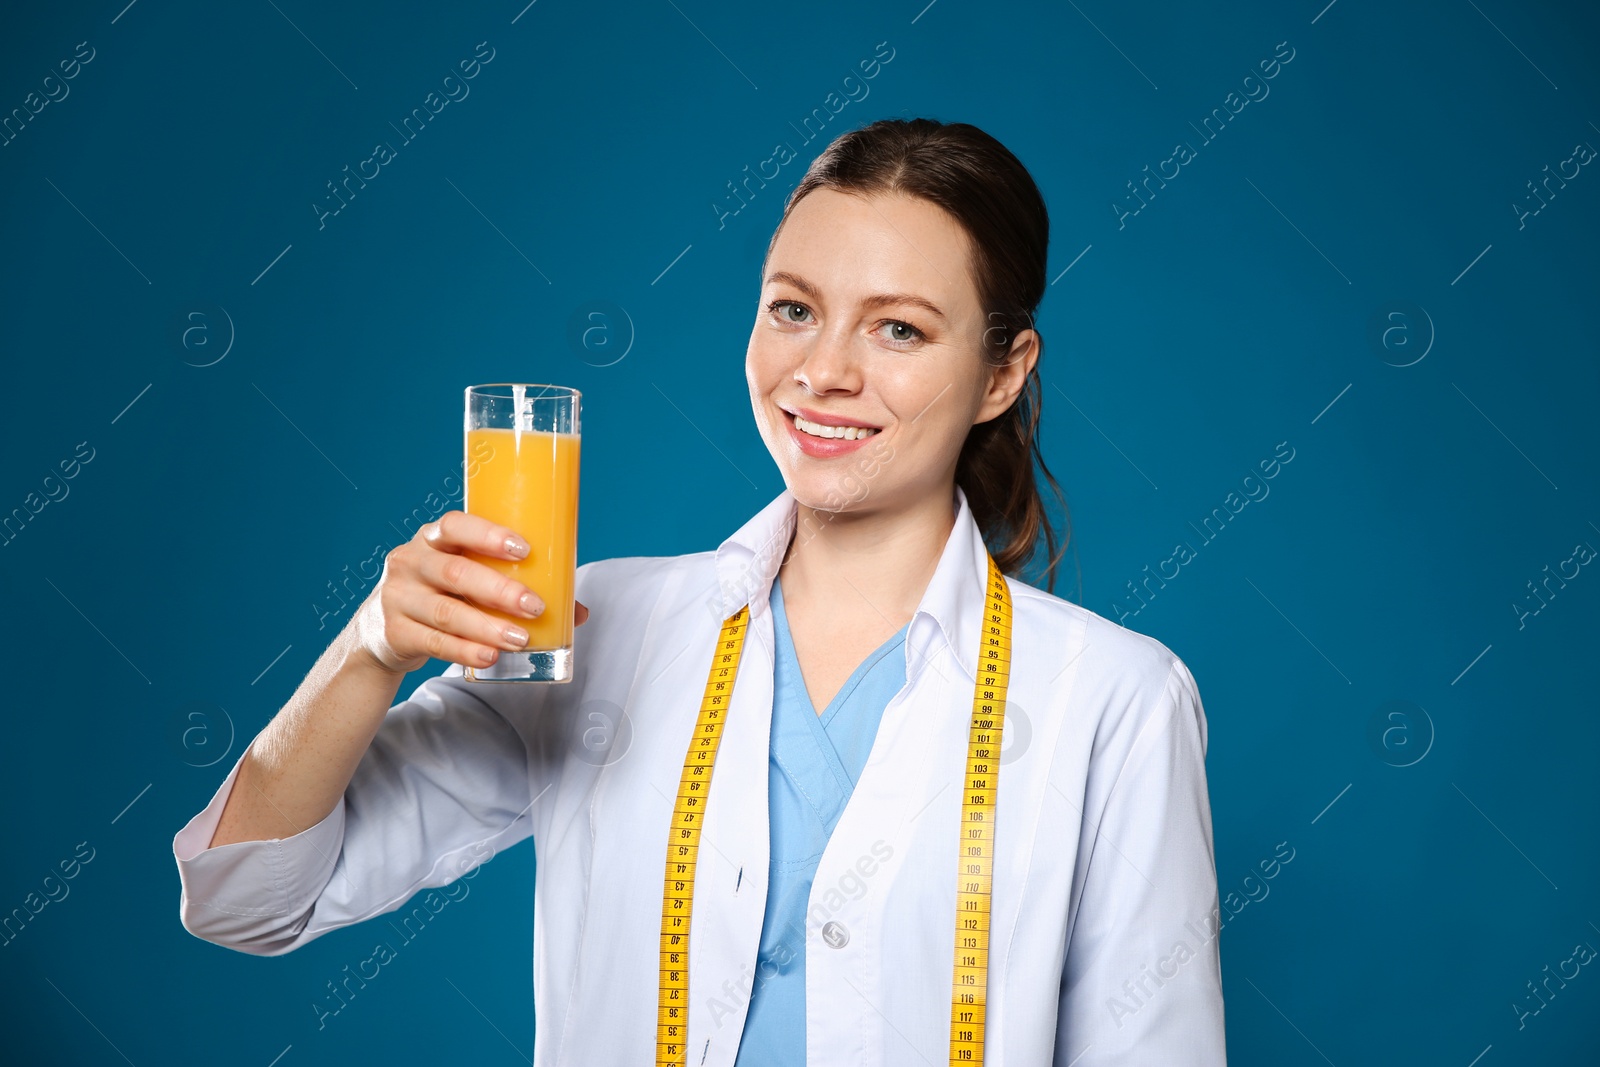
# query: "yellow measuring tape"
975, 862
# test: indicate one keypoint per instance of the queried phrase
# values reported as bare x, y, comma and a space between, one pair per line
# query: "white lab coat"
1102, 949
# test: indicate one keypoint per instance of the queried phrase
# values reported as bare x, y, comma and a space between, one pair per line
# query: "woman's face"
869, 318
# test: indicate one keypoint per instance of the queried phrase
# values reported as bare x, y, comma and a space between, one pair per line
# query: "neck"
871, 566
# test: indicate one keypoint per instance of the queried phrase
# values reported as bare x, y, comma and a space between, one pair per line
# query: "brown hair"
991, 194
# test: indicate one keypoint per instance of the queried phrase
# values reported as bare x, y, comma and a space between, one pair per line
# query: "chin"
843, 491
852, 482
822, 492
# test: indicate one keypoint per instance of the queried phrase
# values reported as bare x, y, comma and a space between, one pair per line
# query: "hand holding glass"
522, 472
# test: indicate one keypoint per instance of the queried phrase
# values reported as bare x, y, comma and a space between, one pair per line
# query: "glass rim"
550, 392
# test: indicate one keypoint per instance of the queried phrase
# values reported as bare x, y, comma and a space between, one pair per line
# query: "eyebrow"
875, 300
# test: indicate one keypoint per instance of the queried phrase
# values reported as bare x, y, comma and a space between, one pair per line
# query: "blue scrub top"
815, 761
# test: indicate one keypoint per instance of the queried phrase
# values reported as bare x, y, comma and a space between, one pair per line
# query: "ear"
1006, 381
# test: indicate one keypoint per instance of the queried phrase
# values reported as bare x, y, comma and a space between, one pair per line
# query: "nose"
829, 365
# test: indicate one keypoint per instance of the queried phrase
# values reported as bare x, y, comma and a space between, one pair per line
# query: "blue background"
1442, 858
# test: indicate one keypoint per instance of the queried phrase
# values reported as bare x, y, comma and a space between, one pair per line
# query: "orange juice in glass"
522, 472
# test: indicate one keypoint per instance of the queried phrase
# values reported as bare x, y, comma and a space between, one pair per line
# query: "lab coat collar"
748, 561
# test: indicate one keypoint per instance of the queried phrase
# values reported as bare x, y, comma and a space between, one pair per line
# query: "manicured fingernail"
531, 604
517, 636
517, 546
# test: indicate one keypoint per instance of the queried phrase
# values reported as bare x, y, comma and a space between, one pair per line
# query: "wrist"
358, 658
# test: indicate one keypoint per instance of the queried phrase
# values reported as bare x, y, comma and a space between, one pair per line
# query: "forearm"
299, 765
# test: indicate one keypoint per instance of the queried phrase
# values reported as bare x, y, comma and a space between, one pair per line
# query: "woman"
868, 883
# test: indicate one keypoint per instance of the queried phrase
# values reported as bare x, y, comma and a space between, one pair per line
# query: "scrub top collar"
950, 613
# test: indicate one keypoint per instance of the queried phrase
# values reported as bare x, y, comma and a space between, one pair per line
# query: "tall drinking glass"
522, 472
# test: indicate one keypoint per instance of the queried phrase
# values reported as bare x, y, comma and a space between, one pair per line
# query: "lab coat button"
835, 935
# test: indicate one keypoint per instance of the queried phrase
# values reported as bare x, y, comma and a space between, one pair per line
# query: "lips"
823, 447
826, 419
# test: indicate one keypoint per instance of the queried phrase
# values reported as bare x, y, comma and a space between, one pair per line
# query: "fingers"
460, 531
436, 599
580, 614
449, 647
479, 583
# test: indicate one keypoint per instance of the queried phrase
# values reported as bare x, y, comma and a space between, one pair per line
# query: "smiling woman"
879, 884
918, 194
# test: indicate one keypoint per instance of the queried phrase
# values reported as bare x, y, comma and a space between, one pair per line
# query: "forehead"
852, 244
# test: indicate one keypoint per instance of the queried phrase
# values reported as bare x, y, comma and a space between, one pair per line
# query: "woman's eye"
901, 332
788, 310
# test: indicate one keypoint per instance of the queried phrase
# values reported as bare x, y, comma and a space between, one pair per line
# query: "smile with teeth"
848, 433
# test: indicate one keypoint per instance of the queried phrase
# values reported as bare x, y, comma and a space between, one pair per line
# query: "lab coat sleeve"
1142, 982
441, 789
